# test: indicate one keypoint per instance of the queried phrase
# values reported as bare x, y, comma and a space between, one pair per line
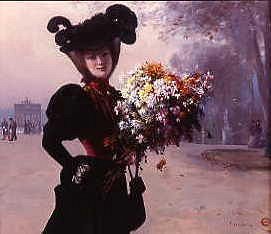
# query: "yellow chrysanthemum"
148, 87
145, 91
142, 95
131, 80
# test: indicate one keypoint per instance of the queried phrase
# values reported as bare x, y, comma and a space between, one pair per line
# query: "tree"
229, 38
268, 62
237, 28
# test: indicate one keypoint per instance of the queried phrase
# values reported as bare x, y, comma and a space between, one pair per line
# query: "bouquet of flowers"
160, 108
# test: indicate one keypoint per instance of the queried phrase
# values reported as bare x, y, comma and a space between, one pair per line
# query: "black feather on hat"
118, 21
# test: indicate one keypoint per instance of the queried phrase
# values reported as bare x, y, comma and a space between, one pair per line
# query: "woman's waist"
97, 167
97, 149
92, 173
96, 162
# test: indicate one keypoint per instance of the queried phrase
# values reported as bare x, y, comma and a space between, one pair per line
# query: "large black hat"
118, 21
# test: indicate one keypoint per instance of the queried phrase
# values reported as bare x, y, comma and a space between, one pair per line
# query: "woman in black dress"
92, 197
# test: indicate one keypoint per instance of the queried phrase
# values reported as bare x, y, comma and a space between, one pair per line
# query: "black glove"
81, 173
76, 171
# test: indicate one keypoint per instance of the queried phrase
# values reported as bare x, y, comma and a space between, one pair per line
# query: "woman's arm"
69, 114
52, 143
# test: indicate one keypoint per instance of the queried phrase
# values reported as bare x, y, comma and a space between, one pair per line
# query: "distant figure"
4, 126
27, 127
256, 139
30, 127
12, 130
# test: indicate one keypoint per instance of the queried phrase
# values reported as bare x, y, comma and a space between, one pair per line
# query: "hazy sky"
32, 66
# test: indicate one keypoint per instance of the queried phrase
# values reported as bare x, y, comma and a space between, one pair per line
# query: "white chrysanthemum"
200, 91
151, 101
140, 138
142, 111
122, 125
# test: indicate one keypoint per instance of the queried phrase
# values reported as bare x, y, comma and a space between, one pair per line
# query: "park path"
191, 196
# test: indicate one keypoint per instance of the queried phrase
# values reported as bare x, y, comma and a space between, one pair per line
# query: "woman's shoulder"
68, 90
66, 101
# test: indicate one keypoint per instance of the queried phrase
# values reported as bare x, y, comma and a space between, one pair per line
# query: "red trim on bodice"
100, 94
95, 149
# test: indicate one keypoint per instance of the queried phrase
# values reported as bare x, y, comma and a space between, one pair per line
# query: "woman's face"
99, 62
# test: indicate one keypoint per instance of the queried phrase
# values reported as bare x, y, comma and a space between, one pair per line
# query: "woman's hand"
76, 171
81, 173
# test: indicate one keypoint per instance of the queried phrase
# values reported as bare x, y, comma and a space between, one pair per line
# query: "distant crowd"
9, 128
32, 127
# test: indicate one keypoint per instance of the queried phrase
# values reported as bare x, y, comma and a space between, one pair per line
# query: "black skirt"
88, 209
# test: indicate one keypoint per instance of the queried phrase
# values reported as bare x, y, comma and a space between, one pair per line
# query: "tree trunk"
268, 61
254, 57
262, 83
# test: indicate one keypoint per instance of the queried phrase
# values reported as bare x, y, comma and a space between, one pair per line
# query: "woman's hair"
107, 29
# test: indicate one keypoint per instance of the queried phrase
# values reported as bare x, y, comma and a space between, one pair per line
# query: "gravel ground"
204, 189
